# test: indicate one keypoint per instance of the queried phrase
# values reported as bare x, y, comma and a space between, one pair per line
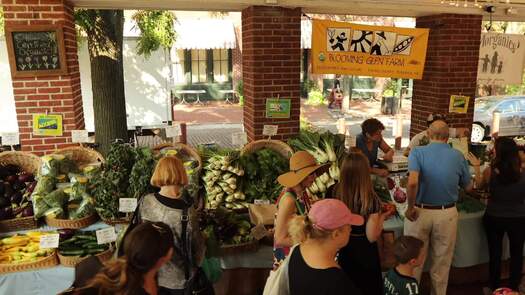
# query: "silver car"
512, 116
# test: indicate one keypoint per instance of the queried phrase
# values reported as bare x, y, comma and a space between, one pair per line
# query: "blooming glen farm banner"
352, 49
501, 58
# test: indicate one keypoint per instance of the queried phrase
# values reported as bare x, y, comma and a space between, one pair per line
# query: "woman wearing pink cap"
312, 267
360, 258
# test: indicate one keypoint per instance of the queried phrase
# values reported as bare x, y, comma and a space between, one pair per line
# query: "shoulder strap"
135, 219
184, 239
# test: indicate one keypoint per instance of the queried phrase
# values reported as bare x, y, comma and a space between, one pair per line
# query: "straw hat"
302, 164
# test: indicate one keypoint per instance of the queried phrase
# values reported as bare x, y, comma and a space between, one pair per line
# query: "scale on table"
398, 164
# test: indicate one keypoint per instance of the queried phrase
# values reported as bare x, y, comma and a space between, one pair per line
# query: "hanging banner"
501, 59
47, 125
352, 49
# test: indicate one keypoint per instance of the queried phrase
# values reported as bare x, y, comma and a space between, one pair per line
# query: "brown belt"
435, 207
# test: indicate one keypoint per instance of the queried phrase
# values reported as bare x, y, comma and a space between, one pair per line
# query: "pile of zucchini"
81, 244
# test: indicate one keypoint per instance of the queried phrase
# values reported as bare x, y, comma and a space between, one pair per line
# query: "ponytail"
301, 228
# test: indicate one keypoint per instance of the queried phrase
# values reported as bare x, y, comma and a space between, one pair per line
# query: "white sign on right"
501, 59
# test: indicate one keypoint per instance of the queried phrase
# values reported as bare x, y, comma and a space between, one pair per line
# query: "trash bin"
390, 105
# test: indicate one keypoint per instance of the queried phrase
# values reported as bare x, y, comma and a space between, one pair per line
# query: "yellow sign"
47, 125
351, 49
458, 104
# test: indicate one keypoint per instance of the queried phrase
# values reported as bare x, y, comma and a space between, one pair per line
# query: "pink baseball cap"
330, 214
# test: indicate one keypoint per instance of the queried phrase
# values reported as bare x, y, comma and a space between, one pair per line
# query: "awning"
197, 34
205, 34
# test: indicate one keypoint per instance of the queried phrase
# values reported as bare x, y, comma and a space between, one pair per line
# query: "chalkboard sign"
36, 51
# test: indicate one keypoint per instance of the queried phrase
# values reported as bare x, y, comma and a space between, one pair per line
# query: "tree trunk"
107, 77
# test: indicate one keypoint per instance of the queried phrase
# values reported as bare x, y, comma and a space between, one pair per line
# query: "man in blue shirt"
436, 172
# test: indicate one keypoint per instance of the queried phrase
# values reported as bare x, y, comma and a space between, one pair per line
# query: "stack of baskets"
81, 156
30, 163
276, 145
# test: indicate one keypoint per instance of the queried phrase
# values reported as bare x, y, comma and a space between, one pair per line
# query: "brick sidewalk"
221, 113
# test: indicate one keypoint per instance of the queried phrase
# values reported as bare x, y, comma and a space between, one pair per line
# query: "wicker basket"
45, 262
72, 223
252, 246
112, 222
276, 145
191, 152
30, 163
81, 155
71, 261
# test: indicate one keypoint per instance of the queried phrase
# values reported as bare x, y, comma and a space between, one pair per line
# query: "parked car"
512, 116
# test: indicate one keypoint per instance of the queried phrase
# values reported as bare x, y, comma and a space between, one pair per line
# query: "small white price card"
270, 130
10, 138
106, 235
79, 136
350, 141
173, 131
49, 241
127, 205
261, 202
239, 138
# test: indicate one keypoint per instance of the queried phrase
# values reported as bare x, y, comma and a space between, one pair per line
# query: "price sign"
106, 235
79, 136
261, 202
270, 130
10, 138
173, 131
127, 205
341, 126
350, 141
49, 241
239, 138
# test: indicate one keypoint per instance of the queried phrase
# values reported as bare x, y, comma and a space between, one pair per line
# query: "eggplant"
16, 198
6, 213
8, 190
7, 170
12, 179
25, 177
66, 234
4, 202
28, 211
18, 186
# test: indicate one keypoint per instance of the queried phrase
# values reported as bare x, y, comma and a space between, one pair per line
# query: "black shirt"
305, 280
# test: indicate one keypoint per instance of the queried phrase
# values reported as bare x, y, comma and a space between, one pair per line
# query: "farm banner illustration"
501, 58
352, 49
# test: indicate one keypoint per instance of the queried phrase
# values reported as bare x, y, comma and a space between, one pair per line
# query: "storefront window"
178, 67
198, 65
220, 65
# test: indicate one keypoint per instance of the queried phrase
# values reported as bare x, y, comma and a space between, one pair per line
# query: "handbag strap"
184, 239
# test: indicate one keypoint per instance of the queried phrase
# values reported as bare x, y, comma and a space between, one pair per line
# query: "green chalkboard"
36, 51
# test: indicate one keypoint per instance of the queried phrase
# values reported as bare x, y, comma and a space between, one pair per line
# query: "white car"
512, 116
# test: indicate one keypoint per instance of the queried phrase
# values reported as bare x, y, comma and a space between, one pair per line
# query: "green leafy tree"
104, 31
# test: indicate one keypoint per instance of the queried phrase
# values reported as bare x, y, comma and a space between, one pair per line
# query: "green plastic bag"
212, 268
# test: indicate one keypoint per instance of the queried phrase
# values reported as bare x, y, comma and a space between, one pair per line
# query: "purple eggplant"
28, 211
6, 213
12, 179
66, 234
26, 177
18, 186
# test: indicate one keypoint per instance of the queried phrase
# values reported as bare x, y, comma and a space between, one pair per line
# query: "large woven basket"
30, 163
71, 261
113, 222
251, 246
81, 155
276, 145
72, 223
188, 150
45, 262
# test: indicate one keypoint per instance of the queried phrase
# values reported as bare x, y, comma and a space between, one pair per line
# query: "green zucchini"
72, 252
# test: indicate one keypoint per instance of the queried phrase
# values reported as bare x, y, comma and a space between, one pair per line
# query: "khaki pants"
437, 229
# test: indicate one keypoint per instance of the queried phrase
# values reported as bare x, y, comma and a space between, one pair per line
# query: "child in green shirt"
409, 255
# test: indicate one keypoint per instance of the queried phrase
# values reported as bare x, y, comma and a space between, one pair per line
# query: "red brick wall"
271, 66
53, 94
451, 68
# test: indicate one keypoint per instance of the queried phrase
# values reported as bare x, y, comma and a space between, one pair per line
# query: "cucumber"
91, 245
69, 241
86, 237
72, 252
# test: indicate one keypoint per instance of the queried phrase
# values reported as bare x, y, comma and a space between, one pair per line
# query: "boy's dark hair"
371, 126
407, 248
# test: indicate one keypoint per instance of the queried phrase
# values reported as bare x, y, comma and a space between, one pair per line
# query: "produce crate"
30, 163
276, 145
252, 246
81, 155
189, 151
71, 261
72, 223
45, 262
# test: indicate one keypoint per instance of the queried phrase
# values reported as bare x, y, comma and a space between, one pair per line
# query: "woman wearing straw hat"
293, 199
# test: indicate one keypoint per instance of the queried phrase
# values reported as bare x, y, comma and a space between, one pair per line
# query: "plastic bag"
39, 205
45, 185
85, 208
56, 198
212, 268
55, 213
51, 165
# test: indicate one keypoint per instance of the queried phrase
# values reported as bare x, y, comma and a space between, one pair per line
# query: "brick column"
52, 94
271, 39
451, 68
